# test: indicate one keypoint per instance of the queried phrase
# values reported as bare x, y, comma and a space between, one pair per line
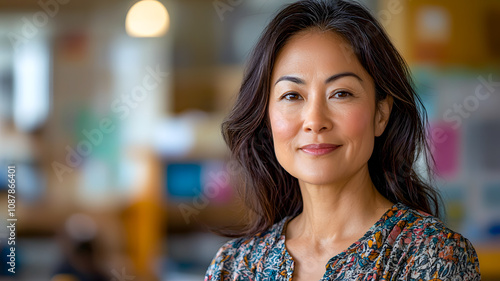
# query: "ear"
382, 115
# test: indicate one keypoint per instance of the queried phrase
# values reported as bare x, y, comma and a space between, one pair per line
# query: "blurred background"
110, 111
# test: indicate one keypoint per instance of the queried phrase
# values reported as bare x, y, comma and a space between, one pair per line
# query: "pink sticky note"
445, 147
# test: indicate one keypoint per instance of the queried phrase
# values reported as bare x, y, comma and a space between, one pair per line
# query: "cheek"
359, 123
283, 129
357, 128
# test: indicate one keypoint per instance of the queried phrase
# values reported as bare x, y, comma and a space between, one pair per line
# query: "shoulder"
241, 255
432, 249
428, 230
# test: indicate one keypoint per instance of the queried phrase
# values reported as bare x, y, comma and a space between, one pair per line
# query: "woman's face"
322, 109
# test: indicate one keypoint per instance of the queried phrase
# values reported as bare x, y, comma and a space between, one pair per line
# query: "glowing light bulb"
147, 18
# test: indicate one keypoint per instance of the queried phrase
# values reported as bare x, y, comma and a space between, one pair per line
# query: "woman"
327, 128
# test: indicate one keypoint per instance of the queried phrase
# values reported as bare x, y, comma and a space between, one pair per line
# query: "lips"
319, 149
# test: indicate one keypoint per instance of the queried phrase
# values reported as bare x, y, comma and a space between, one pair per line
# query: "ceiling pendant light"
147, 18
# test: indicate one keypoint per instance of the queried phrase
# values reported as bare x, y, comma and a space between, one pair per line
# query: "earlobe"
383, 114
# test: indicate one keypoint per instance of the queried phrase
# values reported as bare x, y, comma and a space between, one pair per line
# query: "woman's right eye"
291, 96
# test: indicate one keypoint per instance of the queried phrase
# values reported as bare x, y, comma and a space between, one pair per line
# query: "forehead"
316, 51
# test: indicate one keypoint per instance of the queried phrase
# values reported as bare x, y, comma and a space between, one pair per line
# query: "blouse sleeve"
446, 257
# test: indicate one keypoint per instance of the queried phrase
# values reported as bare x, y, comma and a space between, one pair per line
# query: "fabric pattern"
404, 244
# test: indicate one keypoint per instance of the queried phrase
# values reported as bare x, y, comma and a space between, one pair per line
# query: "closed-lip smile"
319, 148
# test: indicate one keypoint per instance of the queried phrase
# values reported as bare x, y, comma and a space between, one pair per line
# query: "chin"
318, 177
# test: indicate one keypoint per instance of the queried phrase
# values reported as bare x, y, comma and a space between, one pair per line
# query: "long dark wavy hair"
269, 191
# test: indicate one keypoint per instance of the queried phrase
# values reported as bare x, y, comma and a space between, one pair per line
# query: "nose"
317, 117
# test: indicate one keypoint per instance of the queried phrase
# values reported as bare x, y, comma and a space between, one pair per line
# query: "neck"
340, 210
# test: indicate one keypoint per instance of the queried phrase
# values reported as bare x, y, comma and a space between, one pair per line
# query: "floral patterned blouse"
404, 244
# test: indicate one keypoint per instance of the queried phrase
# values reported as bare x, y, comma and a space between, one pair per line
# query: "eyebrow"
328, 80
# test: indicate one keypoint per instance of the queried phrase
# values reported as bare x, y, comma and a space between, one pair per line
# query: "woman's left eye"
341, 94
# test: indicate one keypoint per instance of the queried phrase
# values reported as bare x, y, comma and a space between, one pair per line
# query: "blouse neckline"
368, 234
